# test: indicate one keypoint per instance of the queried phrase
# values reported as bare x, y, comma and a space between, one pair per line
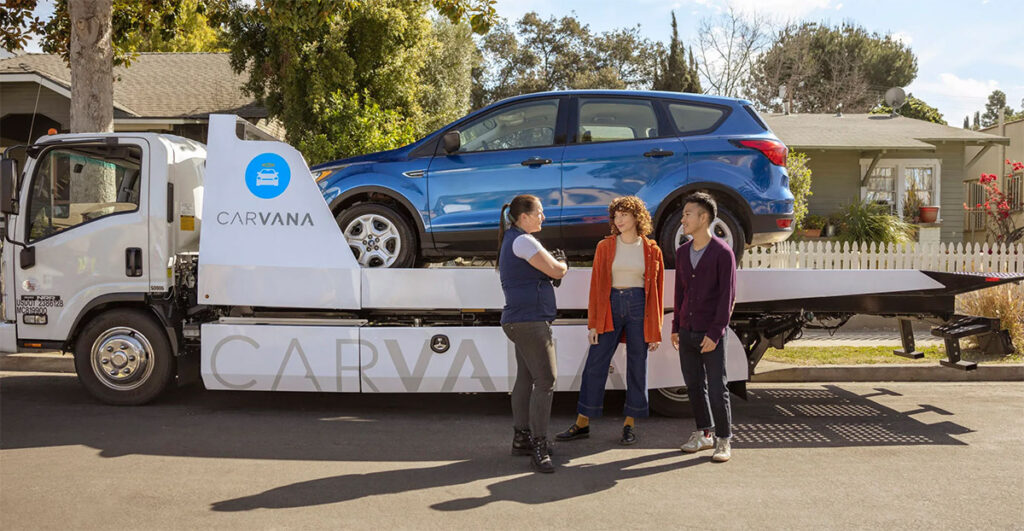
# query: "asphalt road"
870, 456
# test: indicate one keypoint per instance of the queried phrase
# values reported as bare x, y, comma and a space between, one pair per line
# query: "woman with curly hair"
626, 306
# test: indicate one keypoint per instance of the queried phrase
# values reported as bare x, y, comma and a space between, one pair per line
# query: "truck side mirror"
452, 141
8, 181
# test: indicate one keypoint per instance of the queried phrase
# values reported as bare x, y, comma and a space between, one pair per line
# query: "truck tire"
378, 235
123, 358
725, 226
670, 402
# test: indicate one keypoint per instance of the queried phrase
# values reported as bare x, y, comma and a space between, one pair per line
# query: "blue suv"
440, 197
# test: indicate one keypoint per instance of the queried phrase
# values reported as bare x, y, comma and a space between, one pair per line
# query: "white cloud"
901, 36
955, 97
792, 8
839, 6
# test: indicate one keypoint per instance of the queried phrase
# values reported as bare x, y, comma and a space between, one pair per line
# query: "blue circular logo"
267, 175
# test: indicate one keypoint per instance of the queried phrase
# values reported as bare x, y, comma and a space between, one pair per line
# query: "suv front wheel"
378, 235
726, 226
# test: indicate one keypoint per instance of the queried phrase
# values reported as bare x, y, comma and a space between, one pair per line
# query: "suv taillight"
773, 149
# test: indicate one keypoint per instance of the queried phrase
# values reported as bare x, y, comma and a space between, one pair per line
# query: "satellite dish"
895, 98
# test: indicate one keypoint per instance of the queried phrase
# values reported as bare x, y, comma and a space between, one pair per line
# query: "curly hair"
631, 204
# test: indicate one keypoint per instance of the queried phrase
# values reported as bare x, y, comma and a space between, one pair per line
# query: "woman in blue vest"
526, 269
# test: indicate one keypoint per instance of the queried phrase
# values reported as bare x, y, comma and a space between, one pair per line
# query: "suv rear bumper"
765, 229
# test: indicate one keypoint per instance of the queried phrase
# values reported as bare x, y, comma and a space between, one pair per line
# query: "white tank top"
628, 265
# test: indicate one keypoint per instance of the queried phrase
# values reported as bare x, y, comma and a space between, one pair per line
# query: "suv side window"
73, 186
694, 118
523, 125
610, 119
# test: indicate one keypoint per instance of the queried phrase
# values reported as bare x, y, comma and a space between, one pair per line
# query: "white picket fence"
930, 256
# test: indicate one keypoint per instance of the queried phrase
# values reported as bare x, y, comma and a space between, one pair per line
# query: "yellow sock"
582, 421
630, 421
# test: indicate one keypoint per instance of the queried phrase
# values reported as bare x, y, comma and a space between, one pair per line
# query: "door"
620, 146
514, 149
85, 230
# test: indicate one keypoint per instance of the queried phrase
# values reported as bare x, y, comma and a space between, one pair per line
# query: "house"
993, 161
160, 92
881, 158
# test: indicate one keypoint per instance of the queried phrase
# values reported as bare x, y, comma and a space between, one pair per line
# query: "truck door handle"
658, 152
133, 262
535, 161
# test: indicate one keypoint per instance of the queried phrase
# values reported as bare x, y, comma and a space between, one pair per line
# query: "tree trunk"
92, 66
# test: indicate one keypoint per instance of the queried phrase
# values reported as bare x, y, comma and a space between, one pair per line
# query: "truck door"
84, 224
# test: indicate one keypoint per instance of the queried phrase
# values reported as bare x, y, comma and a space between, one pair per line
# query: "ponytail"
510, 212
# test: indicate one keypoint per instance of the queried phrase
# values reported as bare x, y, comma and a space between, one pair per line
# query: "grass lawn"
845, 355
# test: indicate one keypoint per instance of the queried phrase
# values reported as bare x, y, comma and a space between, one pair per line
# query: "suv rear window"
692, 118
756, 117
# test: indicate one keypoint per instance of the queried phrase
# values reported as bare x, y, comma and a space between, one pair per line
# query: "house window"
902, 184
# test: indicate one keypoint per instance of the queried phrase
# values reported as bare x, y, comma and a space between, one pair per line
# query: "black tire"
395, 247
729, 227
138, 345
670, 402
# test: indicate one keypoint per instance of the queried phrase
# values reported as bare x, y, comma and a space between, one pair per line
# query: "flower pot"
811, 233
929, 214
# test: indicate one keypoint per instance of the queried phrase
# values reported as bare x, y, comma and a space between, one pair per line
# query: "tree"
996, 101
914, 108
826, 68
674, 72
346, 77
188, 28
976, 124
728, 46
558, 54
967, 122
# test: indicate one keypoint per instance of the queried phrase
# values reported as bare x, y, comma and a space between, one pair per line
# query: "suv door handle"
535, 161
658, 152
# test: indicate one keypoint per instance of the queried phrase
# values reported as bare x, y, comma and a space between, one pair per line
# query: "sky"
965, 49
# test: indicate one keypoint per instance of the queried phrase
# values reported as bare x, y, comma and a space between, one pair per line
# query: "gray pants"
535, 379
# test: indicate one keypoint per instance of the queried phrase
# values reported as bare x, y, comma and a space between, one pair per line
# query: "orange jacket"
599, 314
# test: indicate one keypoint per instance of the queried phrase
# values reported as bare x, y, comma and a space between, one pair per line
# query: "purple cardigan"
705, 295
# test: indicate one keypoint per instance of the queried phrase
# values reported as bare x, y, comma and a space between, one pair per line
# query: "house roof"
869, 132
158, 85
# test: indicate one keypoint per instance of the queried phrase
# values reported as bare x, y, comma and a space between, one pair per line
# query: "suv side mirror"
8, 181
452, 141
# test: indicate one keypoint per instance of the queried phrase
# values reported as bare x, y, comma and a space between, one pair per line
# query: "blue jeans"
627, 307
702, 372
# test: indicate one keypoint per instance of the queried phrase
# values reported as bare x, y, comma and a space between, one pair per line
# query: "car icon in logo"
267, 177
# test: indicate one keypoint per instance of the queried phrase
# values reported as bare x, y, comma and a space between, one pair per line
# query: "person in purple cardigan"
705, 292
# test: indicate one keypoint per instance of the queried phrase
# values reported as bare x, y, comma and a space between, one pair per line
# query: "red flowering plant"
998, 206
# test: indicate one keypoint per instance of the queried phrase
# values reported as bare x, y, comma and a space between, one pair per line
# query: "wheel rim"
718, 228
374, 239
122, 358
675, 394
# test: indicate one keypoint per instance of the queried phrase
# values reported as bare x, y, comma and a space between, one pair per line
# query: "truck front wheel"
124, 358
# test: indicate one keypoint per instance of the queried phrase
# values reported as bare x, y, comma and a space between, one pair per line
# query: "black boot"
521, 441
540, 459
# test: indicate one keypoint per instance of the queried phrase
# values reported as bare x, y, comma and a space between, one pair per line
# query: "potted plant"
928, 213
811, 225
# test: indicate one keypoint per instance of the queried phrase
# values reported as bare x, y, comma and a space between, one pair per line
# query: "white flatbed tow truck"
157, 260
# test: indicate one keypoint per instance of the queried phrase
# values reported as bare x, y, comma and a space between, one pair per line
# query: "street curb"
1005, 372
769, 372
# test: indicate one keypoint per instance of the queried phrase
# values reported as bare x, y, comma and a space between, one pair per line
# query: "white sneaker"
697, 442
723, 450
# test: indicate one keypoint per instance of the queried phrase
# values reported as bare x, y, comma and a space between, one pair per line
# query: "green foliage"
187, 28
18, 23
915, 108
375, 64
799, 185
674, 73
559, 54
813, 221
996, 101
824, 67
868, 222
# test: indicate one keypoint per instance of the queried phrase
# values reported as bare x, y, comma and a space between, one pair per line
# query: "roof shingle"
867, 131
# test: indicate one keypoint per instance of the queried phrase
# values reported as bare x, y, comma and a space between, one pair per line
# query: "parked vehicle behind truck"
439, 197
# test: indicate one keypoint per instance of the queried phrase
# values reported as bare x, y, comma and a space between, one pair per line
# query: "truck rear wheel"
124, 358
670, 402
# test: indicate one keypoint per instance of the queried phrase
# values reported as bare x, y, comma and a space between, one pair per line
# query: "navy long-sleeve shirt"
705, 295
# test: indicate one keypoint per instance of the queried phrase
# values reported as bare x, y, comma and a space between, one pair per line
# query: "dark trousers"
627, 307
703, 373
535, 379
